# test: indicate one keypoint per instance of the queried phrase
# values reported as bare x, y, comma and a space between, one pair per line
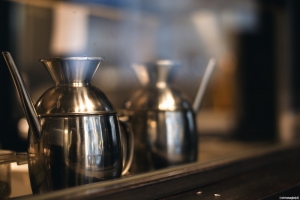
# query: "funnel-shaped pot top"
158, 74
157, 93
73, 94
72, 70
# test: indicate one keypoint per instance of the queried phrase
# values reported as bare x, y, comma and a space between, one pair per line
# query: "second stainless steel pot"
162, 120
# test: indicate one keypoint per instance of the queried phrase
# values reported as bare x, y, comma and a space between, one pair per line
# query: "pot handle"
127, 140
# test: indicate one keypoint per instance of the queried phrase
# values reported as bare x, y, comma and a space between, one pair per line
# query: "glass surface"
248, 102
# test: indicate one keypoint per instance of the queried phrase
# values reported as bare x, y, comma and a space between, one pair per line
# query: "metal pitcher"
162, 118
74, 132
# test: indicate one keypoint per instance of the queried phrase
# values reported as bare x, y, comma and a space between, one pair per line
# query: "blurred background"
254, 92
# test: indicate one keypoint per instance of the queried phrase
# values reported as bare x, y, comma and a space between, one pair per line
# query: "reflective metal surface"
162, 120
80, 139
75, 150
162, 139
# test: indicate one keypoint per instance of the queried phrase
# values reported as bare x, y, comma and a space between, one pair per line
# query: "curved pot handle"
127, 139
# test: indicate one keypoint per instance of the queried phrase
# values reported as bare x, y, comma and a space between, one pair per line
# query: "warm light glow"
152, 124
77, 84
161, 84
164, 62
152, 133
167, 101
23, 128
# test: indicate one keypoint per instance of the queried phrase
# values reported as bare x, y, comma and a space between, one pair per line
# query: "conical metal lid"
73, 94
72, 70
157, 93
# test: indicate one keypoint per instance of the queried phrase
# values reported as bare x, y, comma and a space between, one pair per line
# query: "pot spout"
203, 85
27, 104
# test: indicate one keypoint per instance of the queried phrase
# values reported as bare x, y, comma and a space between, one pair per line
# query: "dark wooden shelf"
269, 168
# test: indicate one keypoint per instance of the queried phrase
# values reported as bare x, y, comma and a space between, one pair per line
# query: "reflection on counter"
210, 148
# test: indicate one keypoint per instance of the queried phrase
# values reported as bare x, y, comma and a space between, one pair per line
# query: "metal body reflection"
74, 135
162, 119
75, 150
163, 139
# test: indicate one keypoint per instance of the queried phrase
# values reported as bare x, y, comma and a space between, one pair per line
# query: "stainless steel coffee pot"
162, 118
74, 132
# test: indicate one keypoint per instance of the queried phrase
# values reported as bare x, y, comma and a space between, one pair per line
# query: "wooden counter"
258, 171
